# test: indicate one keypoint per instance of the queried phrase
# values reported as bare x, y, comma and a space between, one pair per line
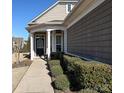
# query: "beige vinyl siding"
56, 13
91, 36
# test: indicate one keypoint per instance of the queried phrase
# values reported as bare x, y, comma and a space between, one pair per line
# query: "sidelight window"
58, 43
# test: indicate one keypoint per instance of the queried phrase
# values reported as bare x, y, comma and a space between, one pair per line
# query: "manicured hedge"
61, 82
96, 76
88, 91
56, 70
67, 64
54, 62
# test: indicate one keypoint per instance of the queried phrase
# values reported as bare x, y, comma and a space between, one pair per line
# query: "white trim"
72, 6
43, 29
67, 7
32, 46
35, 45
86, 11
48, 49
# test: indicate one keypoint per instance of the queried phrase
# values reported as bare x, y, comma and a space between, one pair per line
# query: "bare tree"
17, 55
17, 49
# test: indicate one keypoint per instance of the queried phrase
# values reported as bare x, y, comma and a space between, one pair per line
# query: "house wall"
91, 36
58, 12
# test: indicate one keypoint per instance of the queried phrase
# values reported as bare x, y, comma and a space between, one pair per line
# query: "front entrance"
40, 45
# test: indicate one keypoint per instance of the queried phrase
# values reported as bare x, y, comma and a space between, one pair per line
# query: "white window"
68, 8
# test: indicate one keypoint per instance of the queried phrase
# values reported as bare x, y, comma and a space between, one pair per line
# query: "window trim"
67, 7
58, 44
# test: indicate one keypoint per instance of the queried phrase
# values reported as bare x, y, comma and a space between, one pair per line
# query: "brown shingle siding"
92, 35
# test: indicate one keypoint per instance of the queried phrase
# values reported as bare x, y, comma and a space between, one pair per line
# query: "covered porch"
45, 39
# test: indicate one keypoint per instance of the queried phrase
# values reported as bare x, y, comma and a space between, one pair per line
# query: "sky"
23, 11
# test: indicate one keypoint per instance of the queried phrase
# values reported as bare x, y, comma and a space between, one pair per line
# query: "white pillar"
65, 41
32, 46
48, 43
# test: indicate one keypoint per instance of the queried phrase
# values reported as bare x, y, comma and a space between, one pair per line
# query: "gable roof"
31, 22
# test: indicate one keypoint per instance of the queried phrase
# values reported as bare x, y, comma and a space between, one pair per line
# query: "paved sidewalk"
36, 79
17, 75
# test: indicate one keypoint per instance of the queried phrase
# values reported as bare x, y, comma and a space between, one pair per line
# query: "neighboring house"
17, 42
84, 31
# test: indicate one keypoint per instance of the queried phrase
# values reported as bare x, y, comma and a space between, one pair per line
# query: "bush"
87, 91
56, 55
67, 64
93, 75
54, 62
56, 70
106, 88
61, 83
96, 76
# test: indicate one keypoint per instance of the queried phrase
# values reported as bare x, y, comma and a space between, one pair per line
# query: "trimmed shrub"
88, 91
56, 70
106, 88
67, 64
93, 75
54, 62
61, 83
56, 55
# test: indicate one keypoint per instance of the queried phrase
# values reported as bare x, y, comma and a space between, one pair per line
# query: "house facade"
77, 27
47, 32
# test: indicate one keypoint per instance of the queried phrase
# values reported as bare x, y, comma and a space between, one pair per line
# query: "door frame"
44, 37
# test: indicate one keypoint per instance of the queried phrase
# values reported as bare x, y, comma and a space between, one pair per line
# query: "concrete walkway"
17, 75
36, 79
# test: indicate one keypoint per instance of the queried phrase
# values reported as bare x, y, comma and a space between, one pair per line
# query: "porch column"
32, 45
48, 43
65, 41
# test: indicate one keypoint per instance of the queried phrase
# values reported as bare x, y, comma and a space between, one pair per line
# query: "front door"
40, 46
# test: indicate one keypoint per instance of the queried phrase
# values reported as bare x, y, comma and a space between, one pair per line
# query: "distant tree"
17, 45
28, 44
